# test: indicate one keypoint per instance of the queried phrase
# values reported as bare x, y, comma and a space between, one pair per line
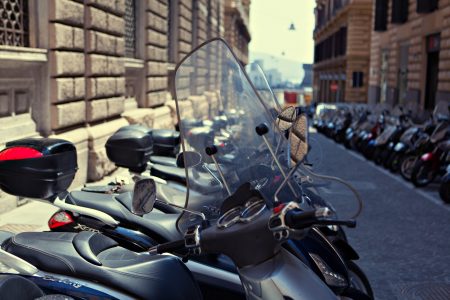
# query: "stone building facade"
81, 69
410, 56
342, 50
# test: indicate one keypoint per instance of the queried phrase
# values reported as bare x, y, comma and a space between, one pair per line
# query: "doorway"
432, 79
402, 82
431, 85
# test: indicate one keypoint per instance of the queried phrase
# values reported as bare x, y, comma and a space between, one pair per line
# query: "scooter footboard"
283, 277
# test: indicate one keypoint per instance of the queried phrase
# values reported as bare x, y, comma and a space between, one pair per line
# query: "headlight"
331, 278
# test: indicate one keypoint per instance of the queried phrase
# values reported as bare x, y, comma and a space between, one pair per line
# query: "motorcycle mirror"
144, 196
188, 159
286, 118
299, 139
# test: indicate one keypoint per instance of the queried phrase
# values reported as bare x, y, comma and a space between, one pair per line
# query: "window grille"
14, 23
130, 28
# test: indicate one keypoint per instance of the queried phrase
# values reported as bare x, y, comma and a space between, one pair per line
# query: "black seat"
95, 257
163, 160
158, 225
202, 181
169, 173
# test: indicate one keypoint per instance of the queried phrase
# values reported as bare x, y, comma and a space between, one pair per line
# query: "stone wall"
156, 52
66, 36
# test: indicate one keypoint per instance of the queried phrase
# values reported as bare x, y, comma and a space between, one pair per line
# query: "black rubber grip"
170, 246
211, 150
262, 129
298, 219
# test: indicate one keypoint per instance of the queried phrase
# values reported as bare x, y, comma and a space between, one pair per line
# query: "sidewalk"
34, 215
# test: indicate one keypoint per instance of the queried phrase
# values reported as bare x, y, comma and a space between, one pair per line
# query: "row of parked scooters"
416, 146
216, 210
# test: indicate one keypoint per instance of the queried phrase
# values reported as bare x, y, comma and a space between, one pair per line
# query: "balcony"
236, 6
325, 13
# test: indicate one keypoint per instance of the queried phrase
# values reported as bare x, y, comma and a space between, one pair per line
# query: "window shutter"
426, 6
381, 9
400, 11
358, 79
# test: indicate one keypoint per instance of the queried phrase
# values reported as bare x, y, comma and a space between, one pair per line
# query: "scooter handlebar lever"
298, 219
168, 247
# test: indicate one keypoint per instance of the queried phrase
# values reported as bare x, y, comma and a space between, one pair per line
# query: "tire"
359, 281
387, 160
395, 161
407, 165
444, 191
347, 143
423, 173
368, 151
378, 155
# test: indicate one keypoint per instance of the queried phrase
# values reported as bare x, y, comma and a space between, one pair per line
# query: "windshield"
441, 111
261, 84
241, 154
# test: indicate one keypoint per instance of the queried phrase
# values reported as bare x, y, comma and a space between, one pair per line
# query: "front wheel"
423, 173
407, 166
359, 284
395, 162
379, 155
444, 191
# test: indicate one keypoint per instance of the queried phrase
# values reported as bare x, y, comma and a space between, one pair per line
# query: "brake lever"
348, 223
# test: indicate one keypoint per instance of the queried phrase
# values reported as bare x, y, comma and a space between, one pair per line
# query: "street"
401, 234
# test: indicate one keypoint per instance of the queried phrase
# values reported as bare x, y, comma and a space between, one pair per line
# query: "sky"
269, 26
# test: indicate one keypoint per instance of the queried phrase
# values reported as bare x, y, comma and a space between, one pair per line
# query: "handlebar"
168, 247
298, 219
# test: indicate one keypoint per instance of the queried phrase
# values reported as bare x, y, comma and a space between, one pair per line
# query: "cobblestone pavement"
403, 234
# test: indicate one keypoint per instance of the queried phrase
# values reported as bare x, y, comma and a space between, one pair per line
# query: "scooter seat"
163, 160
95, 257
201, 182
160, 226
169, 173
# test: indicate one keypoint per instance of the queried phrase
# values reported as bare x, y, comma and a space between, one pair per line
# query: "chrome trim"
221, 175
215, 276
232, 221
16, 263
239, 218
90, 212
257, 213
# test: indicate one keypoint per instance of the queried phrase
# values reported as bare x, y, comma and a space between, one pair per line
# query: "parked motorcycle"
444, 188
385, 143
244, 218
426, 163
431, 164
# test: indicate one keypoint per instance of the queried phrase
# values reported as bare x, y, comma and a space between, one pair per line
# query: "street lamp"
292, 27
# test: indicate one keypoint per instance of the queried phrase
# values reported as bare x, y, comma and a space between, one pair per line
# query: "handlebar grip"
299, 219
170, 246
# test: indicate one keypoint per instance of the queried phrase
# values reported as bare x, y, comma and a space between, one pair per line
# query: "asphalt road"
403, 234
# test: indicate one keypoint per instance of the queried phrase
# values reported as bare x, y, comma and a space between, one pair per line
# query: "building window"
14, 102
14, 23
381, 15
426, 6
358, 79
400, 10
194, 23
130, 28
333, 46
